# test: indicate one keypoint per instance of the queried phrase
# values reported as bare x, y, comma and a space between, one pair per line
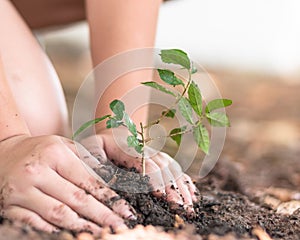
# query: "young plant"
189, 102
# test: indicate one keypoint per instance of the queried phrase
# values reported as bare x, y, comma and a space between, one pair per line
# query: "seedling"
189, 102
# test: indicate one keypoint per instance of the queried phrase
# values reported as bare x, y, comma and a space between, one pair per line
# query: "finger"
95, 145
166, 161
93, 185
186, 188
87, 159
192, 188
103, 171
174, 192
160, 178
26, 216
186, 196
128, 161
172, 189
86, 204
54, 211
93, 157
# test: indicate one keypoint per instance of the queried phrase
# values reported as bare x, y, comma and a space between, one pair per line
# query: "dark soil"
219, 212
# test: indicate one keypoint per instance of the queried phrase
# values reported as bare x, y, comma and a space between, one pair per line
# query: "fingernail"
190, 211
132, 217
56, 230
131, 213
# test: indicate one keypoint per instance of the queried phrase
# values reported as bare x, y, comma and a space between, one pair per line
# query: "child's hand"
165, 173
43, 183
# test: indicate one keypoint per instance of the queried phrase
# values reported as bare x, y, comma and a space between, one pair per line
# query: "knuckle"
80, 198
166, 157
163, 160
29, 220
32, 168
80, 195
32, 171
57, 213
5, 193
52, 146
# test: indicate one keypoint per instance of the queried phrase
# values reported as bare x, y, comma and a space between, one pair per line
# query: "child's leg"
32, 78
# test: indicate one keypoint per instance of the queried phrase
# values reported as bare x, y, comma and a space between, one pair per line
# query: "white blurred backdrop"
250, 35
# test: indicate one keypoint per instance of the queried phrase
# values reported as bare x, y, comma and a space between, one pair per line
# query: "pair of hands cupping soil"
46, 185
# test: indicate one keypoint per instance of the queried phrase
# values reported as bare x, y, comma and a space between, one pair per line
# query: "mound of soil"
218, 212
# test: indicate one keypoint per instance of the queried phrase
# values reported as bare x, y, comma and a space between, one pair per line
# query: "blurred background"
252, 51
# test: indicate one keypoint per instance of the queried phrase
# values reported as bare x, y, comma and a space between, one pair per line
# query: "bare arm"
11, 121
117, 26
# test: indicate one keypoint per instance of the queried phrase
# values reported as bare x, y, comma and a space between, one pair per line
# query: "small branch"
168, 109
143, 151
180, 133
170, 135
188, 84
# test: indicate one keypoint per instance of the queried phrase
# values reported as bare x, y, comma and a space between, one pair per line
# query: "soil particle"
219, 214
150, 210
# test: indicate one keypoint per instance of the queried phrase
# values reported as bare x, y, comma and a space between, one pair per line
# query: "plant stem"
187, 86
168, 109
143, 151
170, 135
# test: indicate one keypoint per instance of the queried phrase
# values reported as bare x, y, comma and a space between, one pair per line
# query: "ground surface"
252, 193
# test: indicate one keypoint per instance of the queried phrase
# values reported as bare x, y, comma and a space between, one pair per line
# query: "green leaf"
170, 113
177, 133
158, 87
218, 119
175, 56
169, 77
185, 109
139, 148
201, 137
118, 108
217, 104
113, 123
88, 124
130, 124
132, 141
195, 98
